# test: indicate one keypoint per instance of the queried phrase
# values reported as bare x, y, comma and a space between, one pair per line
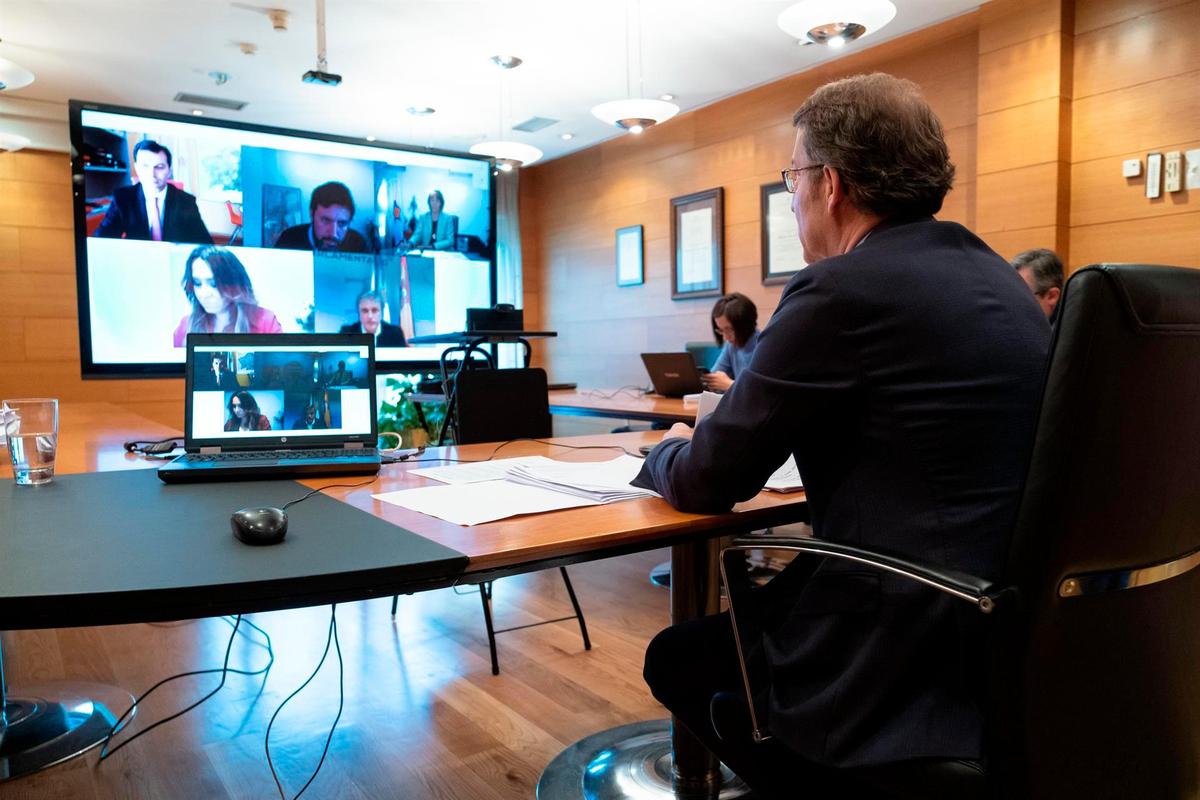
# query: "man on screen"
217, 376
310, 421
370, 320
332, 209
153, 209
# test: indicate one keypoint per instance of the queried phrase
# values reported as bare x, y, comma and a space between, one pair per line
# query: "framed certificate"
782, 254
630, 260
697, 239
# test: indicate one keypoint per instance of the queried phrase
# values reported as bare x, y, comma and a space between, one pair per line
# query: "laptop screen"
283, 390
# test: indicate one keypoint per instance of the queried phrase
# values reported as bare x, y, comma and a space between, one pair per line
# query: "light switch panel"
1131, 168
1154, 175
1192, 180
1173, 171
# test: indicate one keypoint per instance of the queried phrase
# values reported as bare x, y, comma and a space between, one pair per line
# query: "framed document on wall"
697, 239
630, 262
782, 254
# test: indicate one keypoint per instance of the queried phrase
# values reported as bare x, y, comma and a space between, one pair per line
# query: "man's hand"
716, 381
680, 430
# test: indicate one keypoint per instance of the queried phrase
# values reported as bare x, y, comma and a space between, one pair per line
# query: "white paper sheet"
494, 470
696, 246
784, 479
603, 481
486, 501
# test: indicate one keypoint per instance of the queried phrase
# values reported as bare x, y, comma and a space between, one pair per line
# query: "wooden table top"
91, 437
626, 403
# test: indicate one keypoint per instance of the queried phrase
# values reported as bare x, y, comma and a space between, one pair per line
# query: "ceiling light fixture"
666, 96
835, 22
13, 76
370, 138
566, 137
634, 114
421, 111
507, 62
196, 112
509, 155
11, 142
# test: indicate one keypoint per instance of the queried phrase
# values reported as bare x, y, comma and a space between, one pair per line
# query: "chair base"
631, 761
54, 724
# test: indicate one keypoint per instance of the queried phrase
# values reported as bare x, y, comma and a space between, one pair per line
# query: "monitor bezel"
88, 367
249, 341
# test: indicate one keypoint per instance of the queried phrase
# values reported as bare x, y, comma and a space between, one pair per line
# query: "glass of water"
31, 429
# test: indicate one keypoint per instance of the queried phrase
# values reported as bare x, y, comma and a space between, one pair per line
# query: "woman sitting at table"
244, 414
735, 322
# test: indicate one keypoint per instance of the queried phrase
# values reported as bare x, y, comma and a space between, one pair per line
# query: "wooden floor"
424, 716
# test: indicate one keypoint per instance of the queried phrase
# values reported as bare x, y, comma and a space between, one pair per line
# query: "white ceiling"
394, 54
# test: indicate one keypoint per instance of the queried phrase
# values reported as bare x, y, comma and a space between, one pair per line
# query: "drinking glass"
31, 430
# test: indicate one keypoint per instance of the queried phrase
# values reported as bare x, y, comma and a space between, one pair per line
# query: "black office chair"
496, 405
1094, 632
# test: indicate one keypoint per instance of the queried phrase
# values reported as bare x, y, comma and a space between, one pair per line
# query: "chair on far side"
497, 405
1093, 629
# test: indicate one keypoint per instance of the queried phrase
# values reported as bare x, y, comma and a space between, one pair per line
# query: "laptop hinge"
354, 445
204, 451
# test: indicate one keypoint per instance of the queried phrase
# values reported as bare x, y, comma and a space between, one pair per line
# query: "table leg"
45, 727
654, 759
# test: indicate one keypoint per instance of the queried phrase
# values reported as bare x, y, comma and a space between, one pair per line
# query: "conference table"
80, 575
624, 403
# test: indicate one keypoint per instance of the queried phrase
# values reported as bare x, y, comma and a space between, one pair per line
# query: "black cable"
224, 670
333, 636
637, 391
291, 503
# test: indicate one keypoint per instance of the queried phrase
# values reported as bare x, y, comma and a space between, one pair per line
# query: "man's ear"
1052, 295
833, 189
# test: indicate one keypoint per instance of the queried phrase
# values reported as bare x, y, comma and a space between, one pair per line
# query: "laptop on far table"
277, 406
672, 374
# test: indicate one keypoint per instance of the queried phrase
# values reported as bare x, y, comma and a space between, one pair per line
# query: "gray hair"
1044, 265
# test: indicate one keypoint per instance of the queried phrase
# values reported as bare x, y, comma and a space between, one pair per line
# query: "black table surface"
113, 547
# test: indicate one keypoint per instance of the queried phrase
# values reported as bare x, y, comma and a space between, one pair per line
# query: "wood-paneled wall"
39, 320
1137, 73
572, 206
1041, 101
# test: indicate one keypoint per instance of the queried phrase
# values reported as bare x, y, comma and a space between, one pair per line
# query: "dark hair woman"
222, 297
735, 323
244, 414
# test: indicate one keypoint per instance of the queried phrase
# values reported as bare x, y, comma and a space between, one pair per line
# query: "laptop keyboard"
265, 455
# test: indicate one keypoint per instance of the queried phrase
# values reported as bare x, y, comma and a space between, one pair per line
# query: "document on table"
494, 470
526, 486
784, 479
485, 501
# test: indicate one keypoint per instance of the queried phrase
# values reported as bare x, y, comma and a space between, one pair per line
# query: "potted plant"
398, 414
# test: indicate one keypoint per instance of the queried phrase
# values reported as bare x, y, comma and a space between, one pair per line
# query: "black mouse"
259, 525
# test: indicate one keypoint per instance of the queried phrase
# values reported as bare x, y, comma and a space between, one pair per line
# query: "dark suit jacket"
126, 217
904, 377
206, 380
296, 238
390, 336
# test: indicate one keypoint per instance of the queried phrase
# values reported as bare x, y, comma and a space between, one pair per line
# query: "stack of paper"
601, 481
786, 478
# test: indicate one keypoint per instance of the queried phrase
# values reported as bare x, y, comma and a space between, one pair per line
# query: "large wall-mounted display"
185, 225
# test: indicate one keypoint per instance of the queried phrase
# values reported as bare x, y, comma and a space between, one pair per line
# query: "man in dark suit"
310, 421
216, 377
1042, 271
331, 209
152, 208
370, 320
902, 369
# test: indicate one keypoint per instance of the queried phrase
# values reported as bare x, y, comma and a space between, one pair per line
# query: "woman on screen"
222, 298
244, 414
435, 228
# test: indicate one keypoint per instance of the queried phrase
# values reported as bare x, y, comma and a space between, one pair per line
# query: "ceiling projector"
321, 77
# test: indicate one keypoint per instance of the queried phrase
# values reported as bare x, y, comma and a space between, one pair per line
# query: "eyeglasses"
790, 175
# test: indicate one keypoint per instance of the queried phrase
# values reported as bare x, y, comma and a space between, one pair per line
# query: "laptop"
277, 406
673, 374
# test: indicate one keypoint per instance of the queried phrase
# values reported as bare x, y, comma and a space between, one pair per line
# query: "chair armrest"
981, 593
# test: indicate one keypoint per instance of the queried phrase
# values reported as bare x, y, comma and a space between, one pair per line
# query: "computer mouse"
259, 525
